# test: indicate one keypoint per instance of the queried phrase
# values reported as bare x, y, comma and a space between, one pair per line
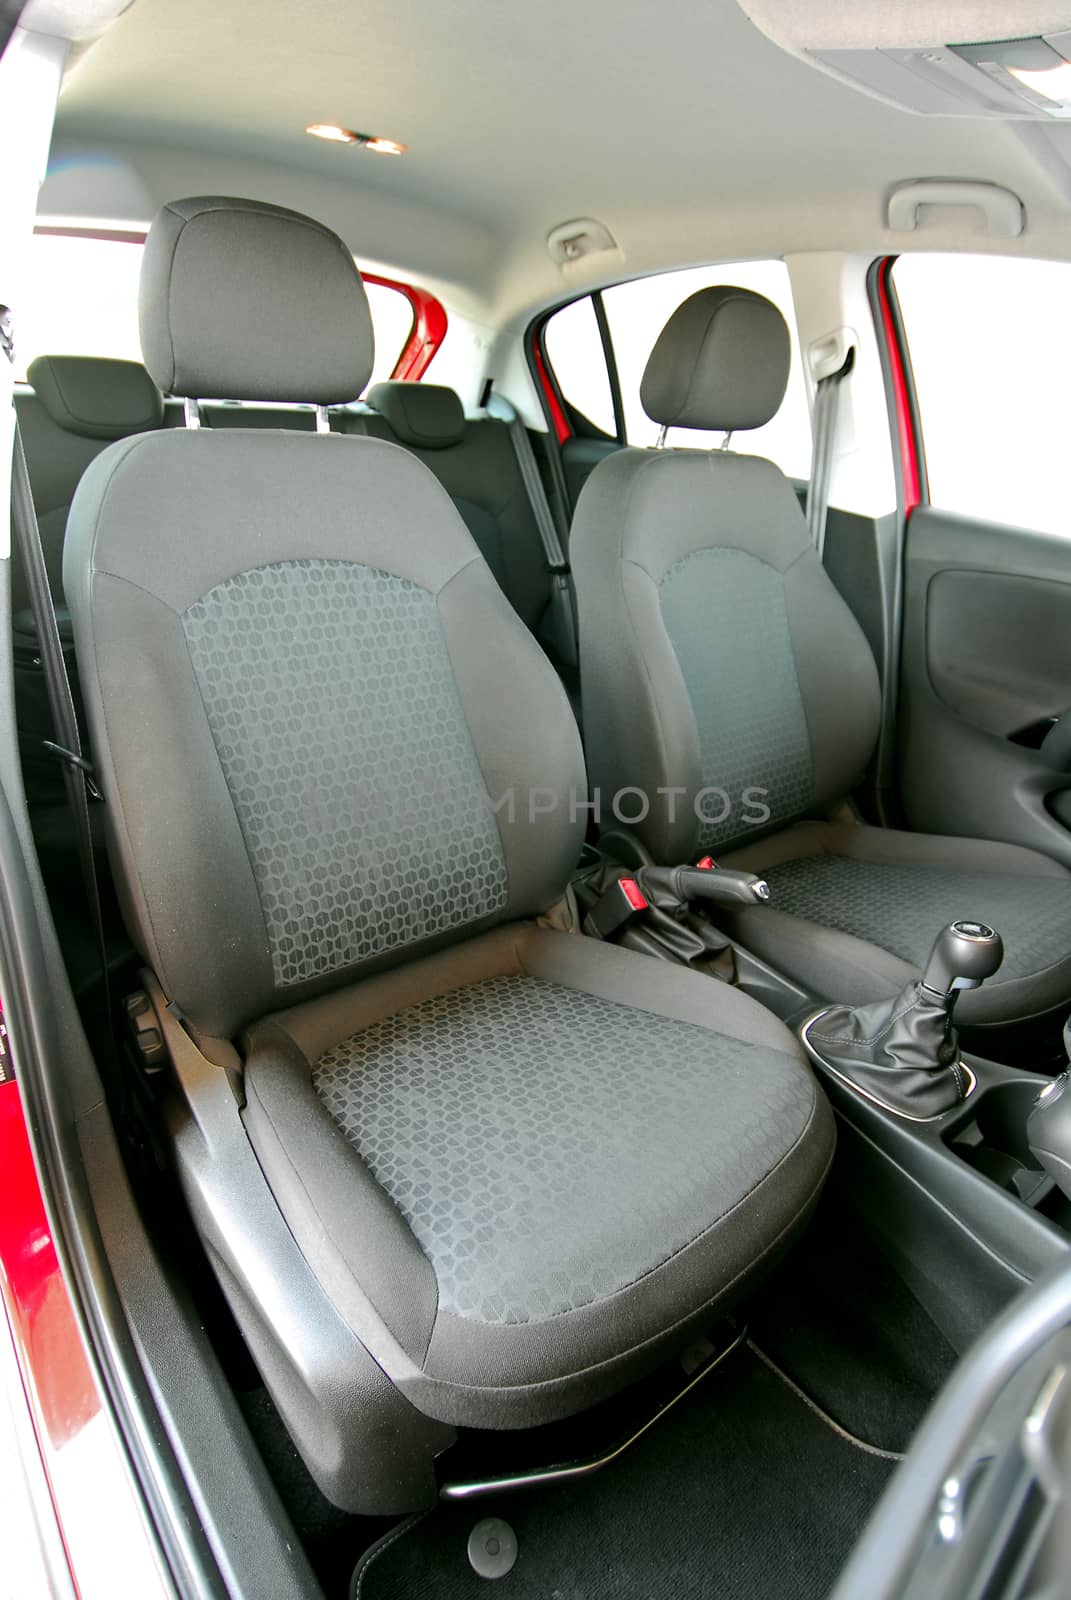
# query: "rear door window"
635, 314
577, 359
638, 311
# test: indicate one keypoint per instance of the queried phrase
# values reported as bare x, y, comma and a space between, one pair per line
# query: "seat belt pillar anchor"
69, 759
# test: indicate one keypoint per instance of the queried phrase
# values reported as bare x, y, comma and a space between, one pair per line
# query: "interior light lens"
385, 147
1052, 82
332, 132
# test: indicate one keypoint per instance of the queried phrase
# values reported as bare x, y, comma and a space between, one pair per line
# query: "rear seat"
79, 404
476, 465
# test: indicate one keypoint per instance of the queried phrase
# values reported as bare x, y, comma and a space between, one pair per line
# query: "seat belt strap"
501, 408
561, 626
78, 778
827, 396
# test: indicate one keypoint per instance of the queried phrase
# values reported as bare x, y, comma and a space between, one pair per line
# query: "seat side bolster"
639, 725
837, 677
352, 1236
526, 741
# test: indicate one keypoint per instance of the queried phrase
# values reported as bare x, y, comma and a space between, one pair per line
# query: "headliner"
677, 124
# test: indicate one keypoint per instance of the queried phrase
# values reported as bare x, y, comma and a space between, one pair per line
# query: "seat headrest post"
245, 301
191, 412
721, 363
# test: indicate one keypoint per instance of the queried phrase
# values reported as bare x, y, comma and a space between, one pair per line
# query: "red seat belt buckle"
622, 902
707, 864
633, 894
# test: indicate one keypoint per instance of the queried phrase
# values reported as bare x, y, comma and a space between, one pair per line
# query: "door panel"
986, 666
999, 648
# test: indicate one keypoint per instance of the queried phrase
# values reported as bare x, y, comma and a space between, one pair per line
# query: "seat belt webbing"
562, 619
67, 747
826, 407
501, 408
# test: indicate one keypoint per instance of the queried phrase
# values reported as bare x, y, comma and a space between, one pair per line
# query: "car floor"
756, 1485
744, 1492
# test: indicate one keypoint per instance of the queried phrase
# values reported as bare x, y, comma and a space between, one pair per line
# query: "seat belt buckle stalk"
621, 904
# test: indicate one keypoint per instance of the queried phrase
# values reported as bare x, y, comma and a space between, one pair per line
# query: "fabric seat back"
723, 676
474, 460
326, 742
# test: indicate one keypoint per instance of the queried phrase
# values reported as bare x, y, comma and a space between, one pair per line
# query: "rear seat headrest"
720, 362
245, 301
426, 415
95, 396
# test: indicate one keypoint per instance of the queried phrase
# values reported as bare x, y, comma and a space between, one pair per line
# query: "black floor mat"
743, 1493
840, 1321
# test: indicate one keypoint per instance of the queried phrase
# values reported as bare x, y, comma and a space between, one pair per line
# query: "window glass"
990, 345
392, 323
575, 352
83, 301
637, 313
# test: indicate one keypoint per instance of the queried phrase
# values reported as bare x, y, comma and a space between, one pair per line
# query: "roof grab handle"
1003, 211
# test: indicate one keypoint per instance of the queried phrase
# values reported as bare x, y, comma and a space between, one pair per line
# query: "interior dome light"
1053, 82
367, 141
332, 132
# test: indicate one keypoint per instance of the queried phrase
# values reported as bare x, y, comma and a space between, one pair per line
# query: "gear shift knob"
964, 955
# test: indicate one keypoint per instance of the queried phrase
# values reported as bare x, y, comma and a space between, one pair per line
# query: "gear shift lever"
903, 1052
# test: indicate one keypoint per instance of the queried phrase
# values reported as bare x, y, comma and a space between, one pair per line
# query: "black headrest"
720, 362
245, 301
426, 415
99, 398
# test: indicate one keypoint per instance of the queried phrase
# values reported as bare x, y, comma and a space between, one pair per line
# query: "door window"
990, 345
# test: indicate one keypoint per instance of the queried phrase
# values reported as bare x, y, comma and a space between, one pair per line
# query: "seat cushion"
855, 911
522, 1166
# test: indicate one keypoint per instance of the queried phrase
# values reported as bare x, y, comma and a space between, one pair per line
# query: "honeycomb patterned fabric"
900, 909
523, 1215
725, 614
340, 731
